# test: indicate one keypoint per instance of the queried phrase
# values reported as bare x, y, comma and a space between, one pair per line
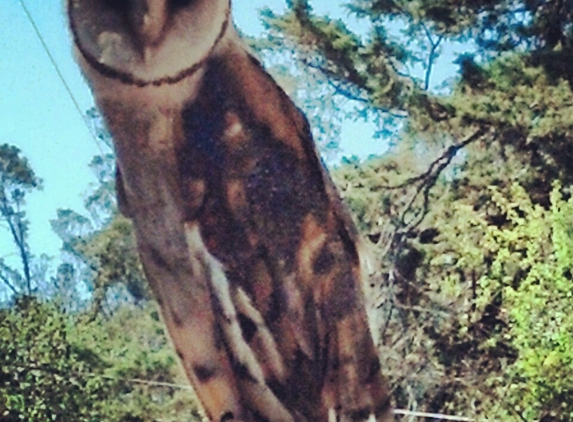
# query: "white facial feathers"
147, 40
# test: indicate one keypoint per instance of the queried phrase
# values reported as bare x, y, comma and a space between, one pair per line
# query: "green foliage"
540, 307
43, 375
112, 255
57, 367
502, 25
148, 382
343, 55
520, 304
16, 180
61, 362
475, 308
15, 171
471, 240
530, 110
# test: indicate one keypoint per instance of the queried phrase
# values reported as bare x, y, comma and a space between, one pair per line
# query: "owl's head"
147, 39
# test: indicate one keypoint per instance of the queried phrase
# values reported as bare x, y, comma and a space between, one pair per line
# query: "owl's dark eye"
119, 5
176, 4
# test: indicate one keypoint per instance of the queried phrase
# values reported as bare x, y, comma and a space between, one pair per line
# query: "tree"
16, 180
61, 367
44, 376
99, 247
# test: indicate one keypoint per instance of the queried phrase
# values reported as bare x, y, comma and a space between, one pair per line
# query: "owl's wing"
272, 217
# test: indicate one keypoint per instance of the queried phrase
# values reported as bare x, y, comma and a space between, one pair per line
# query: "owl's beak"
148, 19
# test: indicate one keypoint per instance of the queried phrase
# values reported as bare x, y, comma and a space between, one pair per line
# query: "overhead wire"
148, 383
60, 74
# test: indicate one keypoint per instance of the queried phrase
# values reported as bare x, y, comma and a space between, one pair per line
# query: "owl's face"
147, 39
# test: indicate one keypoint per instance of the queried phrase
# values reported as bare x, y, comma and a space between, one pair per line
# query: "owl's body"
243, 238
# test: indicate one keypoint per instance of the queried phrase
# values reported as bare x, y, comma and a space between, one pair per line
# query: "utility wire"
140, 381
432, 415
59, 73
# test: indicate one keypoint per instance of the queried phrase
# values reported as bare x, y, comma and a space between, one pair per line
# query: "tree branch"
7, 282
447, 155
399, 114
430, 177
432, 56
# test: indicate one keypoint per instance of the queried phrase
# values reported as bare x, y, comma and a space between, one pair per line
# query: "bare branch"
431, 59
447, 155
430, 177
339, 89
17, 231
10, 285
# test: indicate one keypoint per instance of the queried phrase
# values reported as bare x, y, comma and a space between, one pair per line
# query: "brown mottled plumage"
244, 240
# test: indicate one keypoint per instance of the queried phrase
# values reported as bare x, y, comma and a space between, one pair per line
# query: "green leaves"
41, 377
15, 172
60, 367
112, 254
16, 180
541, 313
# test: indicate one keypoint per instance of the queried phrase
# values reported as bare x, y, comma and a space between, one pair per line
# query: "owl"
244, 240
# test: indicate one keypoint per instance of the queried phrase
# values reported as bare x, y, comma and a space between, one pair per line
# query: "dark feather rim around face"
128, 78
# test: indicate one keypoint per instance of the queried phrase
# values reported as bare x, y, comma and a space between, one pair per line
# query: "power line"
188, 387
432, 415
59, 73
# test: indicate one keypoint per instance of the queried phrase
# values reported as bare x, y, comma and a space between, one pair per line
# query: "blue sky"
38, 116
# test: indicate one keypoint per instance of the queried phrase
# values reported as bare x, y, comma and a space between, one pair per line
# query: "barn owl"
244, 240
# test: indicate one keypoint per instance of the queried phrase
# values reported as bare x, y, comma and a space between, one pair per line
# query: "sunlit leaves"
42, 376
62, 367
541, 311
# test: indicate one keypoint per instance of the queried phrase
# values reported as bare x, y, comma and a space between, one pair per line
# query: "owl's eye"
176, 4
118, 5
